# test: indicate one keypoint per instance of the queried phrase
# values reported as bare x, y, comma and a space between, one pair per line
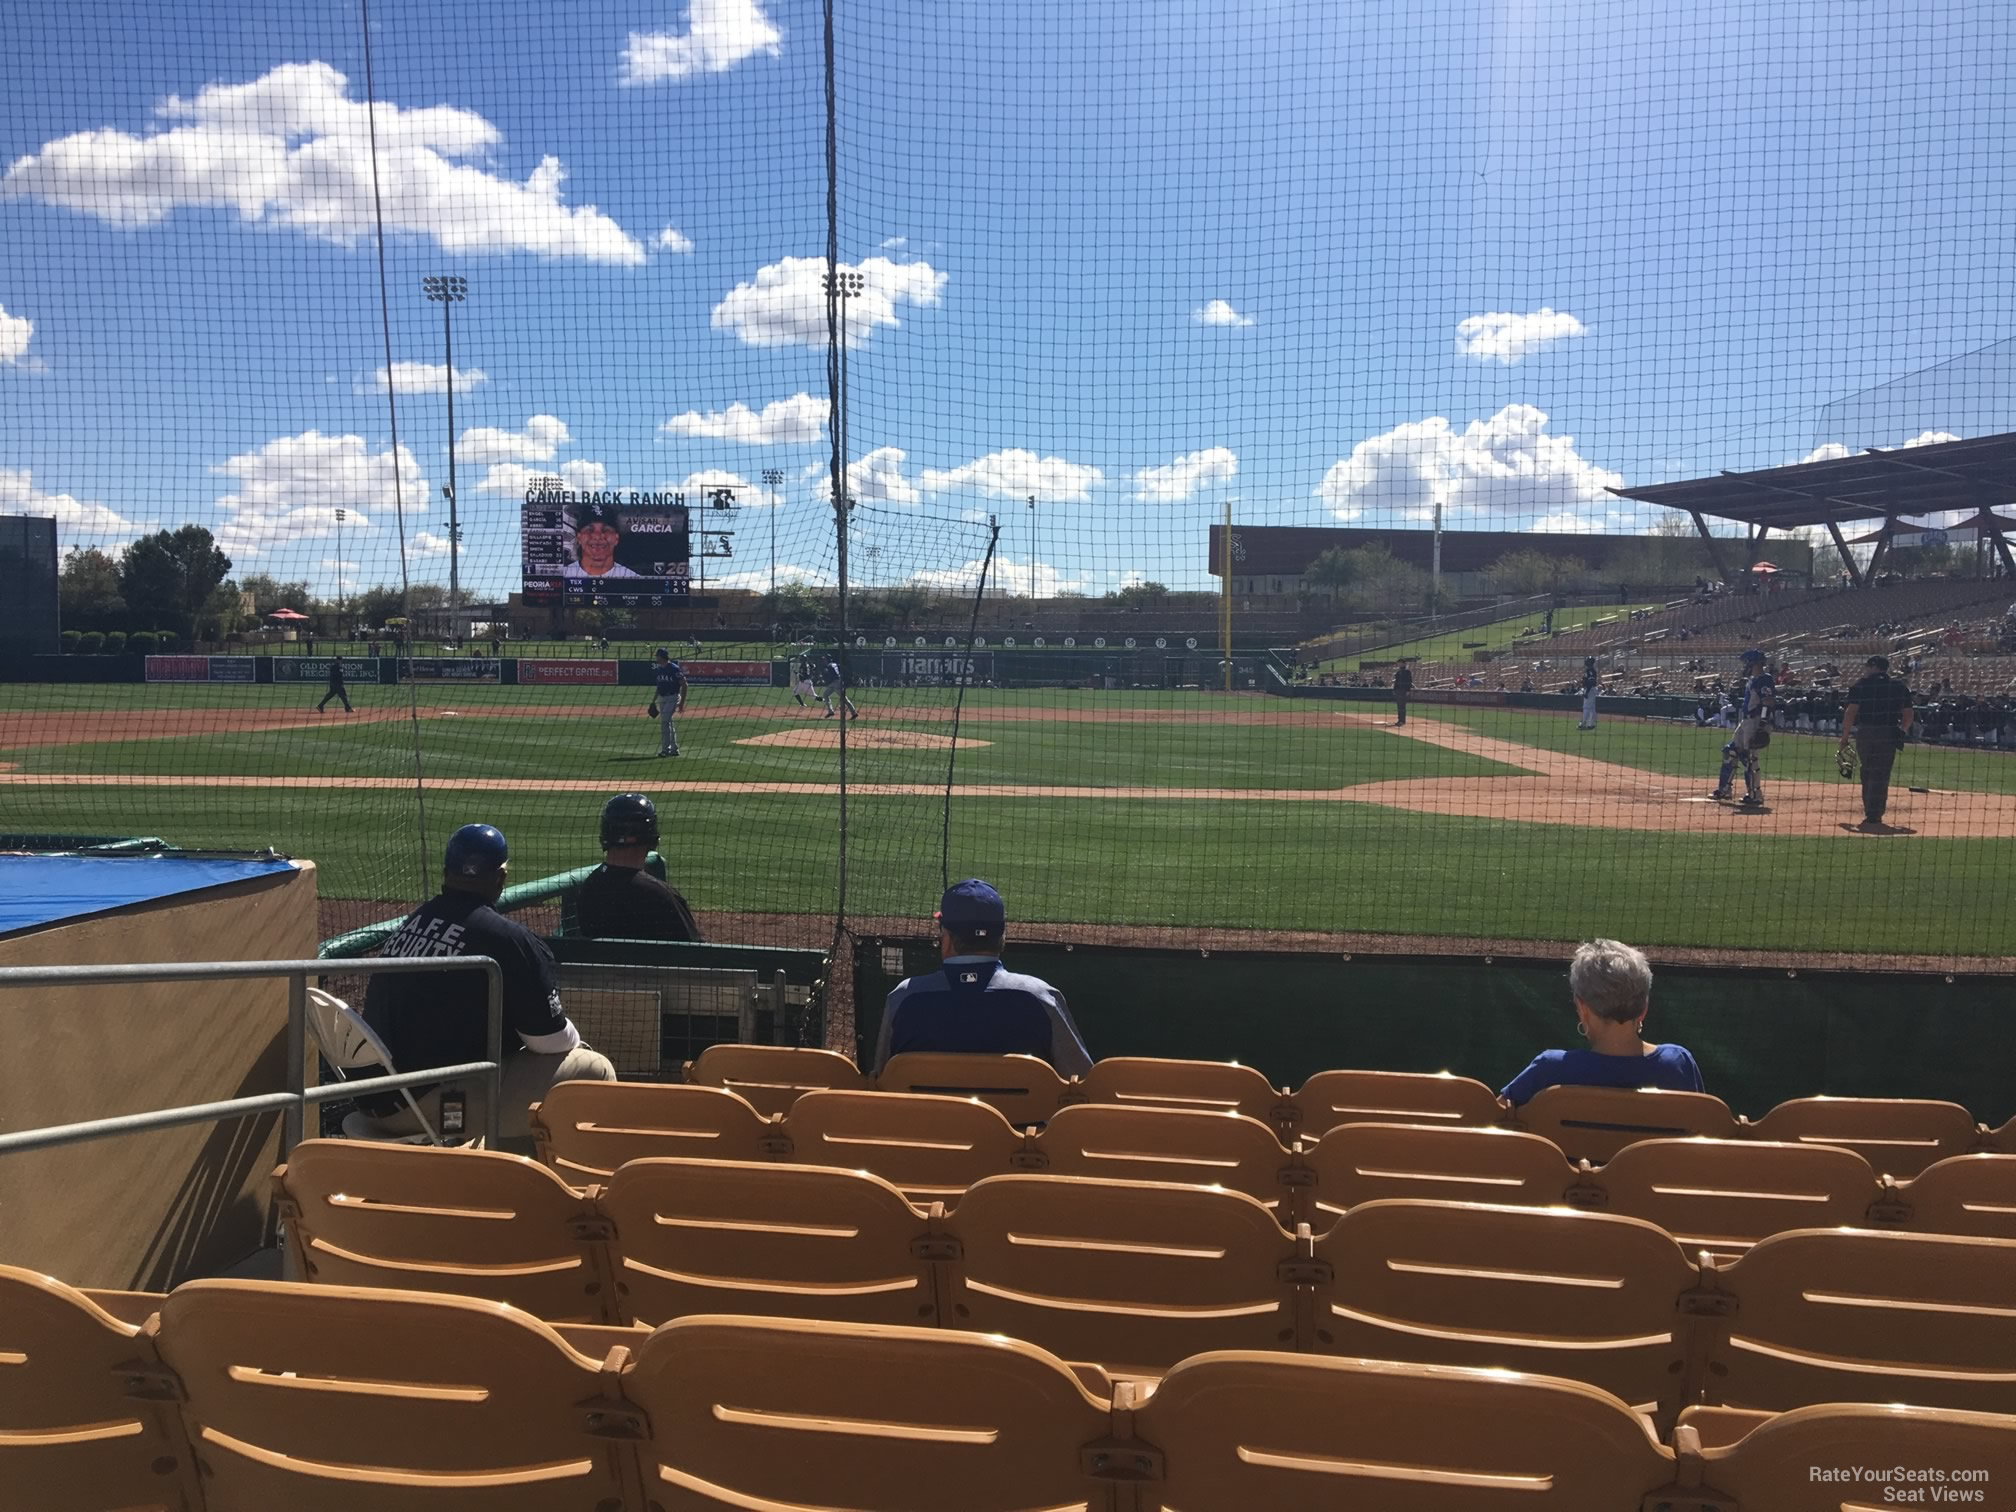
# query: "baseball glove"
652, 712
1844, 760
1753, 734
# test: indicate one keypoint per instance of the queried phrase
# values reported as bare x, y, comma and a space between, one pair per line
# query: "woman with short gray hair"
1612, 986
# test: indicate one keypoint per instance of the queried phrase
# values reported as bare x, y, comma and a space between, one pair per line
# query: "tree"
88, 590
268, 594
1369, 577
1335, 571
1141, 595
793, 607
222, 612
170, 575
1528, 571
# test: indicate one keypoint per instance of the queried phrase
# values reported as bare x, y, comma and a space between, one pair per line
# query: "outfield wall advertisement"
565, 672
735, 674
455, 669
315, 669
224, 669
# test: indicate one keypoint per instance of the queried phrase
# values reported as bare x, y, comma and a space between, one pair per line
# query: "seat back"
1861, 1448
1331, 1098
771, 1077
472, 1222
87, 1413
1898, 1136
1964, 1194
585, 1129
1365, 1162
776, 1413
932, 1148
1294, 1434
1585, 1296
1122, 1143
2002, 1141
1130, 1275
1024, 1089
1594, 1123
346, 1042
328, 1399
1844, 1315
1140, 1081
1726, 1194
717, 1236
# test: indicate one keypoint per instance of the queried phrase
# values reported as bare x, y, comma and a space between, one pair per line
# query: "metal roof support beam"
1714, 551
1847, 556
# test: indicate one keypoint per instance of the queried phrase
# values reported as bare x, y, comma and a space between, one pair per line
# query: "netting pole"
1225, 600
959, 699
836, 400
392, 411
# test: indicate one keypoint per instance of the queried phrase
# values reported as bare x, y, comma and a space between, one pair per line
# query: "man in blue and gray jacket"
973, 1004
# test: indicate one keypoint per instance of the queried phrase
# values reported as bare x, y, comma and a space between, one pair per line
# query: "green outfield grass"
1320, 865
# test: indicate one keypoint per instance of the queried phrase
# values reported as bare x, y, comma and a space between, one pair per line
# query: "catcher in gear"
1753, 731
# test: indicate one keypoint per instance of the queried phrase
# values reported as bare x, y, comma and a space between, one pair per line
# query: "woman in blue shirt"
1612, 984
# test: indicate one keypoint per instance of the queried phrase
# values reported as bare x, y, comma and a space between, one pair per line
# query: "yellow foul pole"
1225, 600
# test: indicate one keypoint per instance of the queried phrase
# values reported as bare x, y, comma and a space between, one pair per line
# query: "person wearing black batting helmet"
621, 900
431, 1020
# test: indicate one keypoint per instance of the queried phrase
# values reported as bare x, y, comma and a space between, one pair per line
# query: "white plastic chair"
348, 1044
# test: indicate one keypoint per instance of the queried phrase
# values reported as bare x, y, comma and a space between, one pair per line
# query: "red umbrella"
286, 614
1767, 567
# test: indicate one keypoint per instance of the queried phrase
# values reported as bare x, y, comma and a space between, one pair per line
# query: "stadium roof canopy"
1878, 484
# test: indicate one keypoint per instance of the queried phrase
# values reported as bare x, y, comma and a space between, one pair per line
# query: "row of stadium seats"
1134, 1276
1722, 1193
1898, 1136
239, 1396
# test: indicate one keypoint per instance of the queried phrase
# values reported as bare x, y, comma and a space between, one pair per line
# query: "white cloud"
794, 421
1015, 474
890, 244
672, 239
786, 302
719, 34
1830, 451
1507, 465
1006, 578
1826, 451
1931, 438
291, 487
292, 149
543, 435
1502, 336
513, 479
78, 521
757, 579
426, 543
747, 495
15, 332
1566, 522
1177, 481
1220, 313
875, 479
427, 378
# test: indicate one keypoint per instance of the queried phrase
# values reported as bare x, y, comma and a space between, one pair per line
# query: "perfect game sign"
605, 546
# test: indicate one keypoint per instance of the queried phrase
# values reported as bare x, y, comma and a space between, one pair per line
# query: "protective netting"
497, 354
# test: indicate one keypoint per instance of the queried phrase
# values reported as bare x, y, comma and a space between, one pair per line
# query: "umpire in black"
1403, 684
1877, 718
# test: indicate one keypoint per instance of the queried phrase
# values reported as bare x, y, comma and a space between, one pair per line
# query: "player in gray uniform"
668, 680
1592, 684
1753, 730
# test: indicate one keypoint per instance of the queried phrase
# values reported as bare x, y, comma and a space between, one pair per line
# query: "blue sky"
1332, 262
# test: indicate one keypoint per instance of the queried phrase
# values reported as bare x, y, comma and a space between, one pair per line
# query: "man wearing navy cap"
598, 530
972, 1004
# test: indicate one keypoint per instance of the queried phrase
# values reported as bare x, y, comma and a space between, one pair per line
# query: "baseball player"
336, 688
1590, 683
668, 698
801, 686
836, 685
1753, 730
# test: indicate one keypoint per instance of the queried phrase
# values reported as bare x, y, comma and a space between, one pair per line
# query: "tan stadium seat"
1843, 1315
2001, 1141
1897, 1136
1974, 1195
933, 1148
788, 1416
1585, 1296
1129, 1275
1364, 1162
585, 1129
771, 1077
1594, 1123
333, 1399
421, 1218
1281, 1433
1331, 1098
700, 1236
1119, 1143
1214, 1086
1773, 1465
88, 1416
1726, 1194
1025, 1090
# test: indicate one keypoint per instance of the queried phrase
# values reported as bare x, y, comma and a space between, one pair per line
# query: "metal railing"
295, 1100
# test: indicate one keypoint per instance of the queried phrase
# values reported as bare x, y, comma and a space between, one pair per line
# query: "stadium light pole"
1032, 551
446, 291
1435, 576
844, 286
339, 571
773, 479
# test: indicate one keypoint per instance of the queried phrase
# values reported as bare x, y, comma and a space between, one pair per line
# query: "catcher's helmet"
629, 819
475, 850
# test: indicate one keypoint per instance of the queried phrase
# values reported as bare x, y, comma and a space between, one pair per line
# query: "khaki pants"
527, 1076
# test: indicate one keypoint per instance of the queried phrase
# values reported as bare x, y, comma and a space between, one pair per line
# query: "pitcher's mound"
825, 737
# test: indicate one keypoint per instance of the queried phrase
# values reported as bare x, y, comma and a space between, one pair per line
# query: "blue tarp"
57, 889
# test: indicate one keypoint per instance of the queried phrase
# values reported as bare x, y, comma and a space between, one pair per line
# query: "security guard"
1877, 718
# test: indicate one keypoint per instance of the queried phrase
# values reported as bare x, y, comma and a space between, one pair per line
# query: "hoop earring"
1581, 1028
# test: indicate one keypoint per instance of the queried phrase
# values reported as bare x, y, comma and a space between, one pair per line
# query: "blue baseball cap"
973, 908
1753, 654
475, 850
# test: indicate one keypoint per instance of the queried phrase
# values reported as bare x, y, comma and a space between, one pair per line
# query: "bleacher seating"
1898, 1137
771, 1077
1214, 1086
1357, 1163
930, 1146
1025, 1090
1181, 1145
1594, 1123
1726, 1195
